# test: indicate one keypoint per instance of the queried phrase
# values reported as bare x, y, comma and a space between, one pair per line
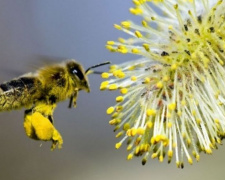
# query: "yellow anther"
126, 126
174, 67
208, 151
151, 112
105, 75
121, 40
130, 156
117, 26
160, 158
136, 11
190, 160
149, 124
119, 134
118, 145
110, 110
144, 23
153, 141
154, 155
133, 78
113, 67
129, 147
169, 124
217, 121
136, 2
114, 115
138, 34
147, 80
170, 27
113, 87
110, 48
172, 106
140, 131
170, 153
110, 42
126, 24
135, 51
119, 99
124, 91
133, 132
112, 122
166, 78
183, 102
146, 46
159, 85
137, 150
119, 108
104, 85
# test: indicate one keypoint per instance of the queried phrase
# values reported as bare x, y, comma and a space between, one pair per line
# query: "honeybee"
40, 92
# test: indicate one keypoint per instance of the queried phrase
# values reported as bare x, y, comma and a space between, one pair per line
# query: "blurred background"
33, 32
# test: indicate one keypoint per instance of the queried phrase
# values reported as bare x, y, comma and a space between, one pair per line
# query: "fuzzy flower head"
171, 101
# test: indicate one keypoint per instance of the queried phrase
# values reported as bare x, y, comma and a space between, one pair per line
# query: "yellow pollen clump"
105, 75
113, 87
151, 112
138, 34
118, 145
124, 91
110, 110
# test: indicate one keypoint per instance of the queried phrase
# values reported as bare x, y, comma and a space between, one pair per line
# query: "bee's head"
78, 75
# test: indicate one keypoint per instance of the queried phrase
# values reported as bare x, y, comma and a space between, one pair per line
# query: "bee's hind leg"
38, 127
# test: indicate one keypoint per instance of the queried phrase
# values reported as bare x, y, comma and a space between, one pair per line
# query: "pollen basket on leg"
171, 100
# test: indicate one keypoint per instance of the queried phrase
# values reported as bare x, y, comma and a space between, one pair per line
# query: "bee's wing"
20, 92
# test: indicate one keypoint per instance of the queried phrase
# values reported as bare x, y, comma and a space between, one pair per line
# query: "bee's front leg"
38, 127
73, 100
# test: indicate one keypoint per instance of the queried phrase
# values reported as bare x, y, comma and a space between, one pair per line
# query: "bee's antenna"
97, 65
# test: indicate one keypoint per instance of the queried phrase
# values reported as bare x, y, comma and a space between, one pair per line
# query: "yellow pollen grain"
110, 110
138, 34
159, 85
118, 145
105, 75
151, 112
133, 78
124, 91
113, 87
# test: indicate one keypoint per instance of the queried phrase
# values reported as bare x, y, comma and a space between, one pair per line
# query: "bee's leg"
73, 100
38, 127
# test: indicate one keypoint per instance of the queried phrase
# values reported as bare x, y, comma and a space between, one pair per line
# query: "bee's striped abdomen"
19, 92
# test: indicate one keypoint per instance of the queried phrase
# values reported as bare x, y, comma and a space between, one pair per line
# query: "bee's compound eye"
78, 73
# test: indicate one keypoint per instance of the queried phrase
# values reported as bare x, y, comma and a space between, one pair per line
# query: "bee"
40, 92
